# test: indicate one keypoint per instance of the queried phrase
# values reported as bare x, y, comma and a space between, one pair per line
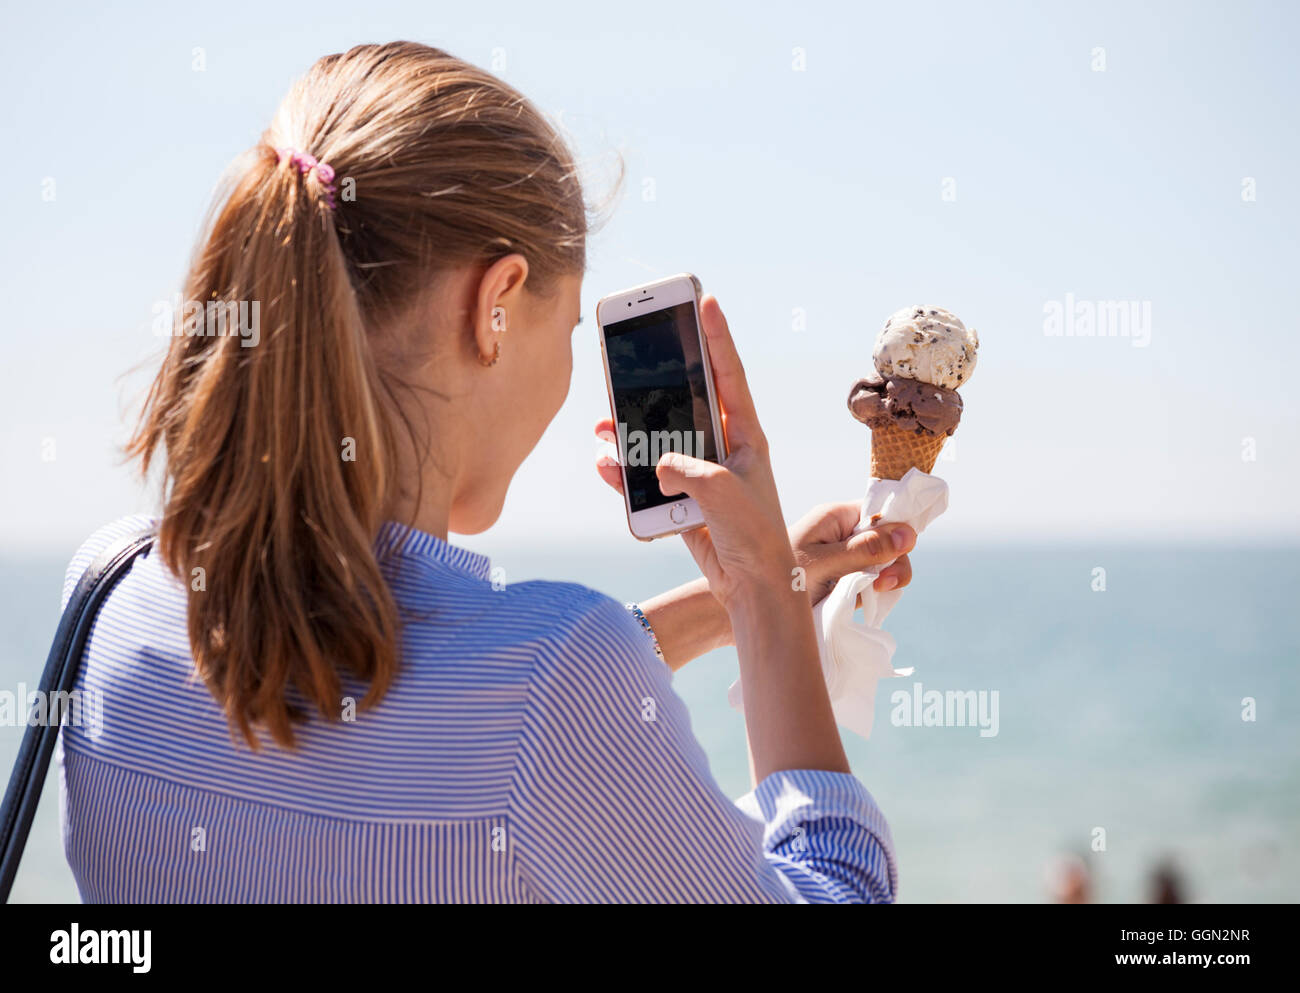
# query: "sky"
818, 166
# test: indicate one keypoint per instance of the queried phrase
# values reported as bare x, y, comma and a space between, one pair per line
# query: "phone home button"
677, 513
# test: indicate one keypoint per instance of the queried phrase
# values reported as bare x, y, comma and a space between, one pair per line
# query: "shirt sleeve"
612, 799
94, 546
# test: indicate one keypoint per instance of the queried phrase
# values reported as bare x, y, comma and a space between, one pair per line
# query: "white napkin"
856, 655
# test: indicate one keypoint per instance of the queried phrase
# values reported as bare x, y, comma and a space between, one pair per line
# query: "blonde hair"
437, 164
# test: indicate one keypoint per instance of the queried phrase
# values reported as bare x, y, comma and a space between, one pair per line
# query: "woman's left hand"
826, 548
823, 541
689, 622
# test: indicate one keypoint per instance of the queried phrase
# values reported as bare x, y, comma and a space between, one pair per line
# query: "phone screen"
661, 397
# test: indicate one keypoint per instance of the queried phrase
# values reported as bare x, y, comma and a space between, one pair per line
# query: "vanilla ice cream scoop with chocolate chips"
927, 344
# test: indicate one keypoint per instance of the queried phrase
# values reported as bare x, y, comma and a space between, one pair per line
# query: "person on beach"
308, 693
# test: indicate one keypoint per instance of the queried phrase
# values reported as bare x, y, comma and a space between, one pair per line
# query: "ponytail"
279, 462
278, 440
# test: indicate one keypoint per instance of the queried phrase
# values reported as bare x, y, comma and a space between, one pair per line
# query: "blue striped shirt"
531, 749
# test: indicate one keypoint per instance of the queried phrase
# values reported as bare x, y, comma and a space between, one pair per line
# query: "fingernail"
886, 583
900, 539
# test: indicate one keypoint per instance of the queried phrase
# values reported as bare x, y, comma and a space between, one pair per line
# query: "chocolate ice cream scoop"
906, 403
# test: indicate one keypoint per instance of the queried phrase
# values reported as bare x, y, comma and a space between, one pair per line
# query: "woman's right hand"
744, 552
744, 549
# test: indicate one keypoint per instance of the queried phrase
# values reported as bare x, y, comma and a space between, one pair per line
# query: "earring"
496, 357
499, 319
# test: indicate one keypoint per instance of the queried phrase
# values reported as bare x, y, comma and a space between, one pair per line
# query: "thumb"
697, 478
876, 546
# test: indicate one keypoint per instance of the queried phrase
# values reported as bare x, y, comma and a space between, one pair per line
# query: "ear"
501, 285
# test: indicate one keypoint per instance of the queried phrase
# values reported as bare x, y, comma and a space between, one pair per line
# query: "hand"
823, 541
745, 541
745, 555
826, 547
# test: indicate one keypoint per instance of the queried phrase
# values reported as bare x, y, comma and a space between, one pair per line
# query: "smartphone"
661, 396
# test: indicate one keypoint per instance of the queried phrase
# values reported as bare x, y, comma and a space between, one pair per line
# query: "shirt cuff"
790, 802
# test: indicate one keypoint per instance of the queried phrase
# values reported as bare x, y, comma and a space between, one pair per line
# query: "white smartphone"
661, 396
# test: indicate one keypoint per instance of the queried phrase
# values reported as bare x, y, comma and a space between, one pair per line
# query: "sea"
1148, 714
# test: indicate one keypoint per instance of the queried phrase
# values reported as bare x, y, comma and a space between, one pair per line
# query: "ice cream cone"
894, 450
910, 400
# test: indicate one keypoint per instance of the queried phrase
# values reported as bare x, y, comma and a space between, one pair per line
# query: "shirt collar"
401, 539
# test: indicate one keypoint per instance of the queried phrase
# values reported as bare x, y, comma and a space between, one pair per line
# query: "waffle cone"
894, 450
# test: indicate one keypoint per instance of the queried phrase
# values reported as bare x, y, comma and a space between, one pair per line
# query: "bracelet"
639, 614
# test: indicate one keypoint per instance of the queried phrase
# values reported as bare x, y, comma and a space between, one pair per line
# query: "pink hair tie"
306, 162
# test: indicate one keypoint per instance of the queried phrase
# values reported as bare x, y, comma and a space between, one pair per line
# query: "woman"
308, 694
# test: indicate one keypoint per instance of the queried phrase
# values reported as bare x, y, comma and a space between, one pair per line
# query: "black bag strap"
59, 677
